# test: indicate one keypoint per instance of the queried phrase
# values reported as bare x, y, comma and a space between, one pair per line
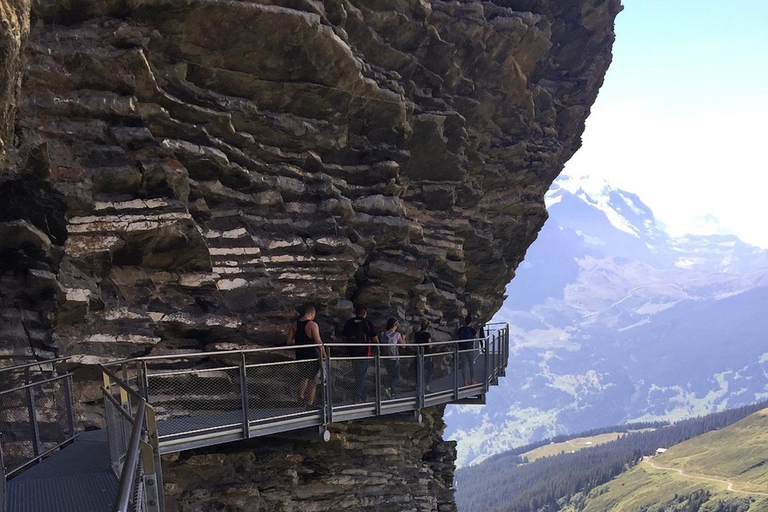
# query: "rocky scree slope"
181, 175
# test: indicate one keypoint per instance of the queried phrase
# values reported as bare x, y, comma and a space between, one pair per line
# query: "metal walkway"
171, 403
77, 479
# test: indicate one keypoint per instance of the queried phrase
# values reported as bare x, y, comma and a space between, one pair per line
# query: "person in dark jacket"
423, 337
305, 332
360, 331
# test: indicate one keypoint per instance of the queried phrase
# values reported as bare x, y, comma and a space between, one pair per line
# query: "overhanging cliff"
181, 175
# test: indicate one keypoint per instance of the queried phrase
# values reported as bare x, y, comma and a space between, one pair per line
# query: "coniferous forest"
505, 483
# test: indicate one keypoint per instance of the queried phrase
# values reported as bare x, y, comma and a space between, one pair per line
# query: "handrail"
36, 363
128, 474
34, 384
281, 348
119, 382
117, 404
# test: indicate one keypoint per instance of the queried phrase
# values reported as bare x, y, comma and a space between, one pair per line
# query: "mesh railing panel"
118, 431
33, 420
470, 371
16, 431
277, 390
442, 364
353, 380
398, 377
195, 400
123, 408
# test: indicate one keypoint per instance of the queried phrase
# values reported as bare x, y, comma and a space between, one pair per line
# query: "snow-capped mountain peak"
624, 210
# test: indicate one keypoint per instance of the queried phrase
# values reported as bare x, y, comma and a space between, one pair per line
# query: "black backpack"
356, 331
466, 333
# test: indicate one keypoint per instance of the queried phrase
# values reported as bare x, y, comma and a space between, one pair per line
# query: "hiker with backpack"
466, 350
390, 339
360, 331
305, 331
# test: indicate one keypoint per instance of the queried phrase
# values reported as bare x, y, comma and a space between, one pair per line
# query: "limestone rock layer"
181, 175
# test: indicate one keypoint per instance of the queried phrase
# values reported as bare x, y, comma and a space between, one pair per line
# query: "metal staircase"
170, 403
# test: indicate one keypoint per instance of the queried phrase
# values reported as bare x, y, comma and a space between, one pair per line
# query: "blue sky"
682, 119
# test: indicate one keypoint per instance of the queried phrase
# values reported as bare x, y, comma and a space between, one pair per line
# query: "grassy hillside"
504, 484
572, 445
737, 455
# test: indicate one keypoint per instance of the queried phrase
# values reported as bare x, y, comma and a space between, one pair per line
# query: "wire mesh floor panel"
76, 479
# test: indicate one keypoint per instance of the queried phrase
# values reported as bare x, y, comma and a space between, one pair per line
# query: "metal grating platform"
76, 479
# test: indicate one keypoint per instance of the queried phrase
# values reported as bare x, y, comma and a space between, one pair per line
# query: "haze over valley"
613, 321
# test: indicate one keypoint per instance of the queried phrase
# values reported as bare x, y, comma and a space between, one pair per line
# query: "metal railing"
36, 414
201, 399
170, 403
133, 450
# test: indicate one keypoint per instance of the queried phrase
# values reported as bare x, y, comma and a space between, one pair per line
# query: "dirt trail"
650, 462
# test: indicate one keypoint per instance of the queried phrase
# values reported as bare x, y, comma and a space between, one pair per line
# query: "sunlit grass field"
736, 454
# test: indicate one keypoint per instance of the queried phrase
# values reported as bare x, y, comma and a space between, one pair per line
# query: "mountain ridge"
598, 310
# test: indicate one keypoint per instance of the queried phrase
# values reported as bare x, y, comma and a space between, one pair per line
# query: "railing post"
2, 481
124, 400
68, 404
506, 344
323, 388
145, 380
496, 359
455, 371
152, 492
36, 446
495, 354
420, 386
377, 364
154, 441
487, 365
244, 398
328, 388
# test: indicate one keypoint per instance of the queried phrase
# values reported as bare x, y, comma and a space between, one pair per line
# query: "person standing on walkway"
390, 339
423, 337
360, 331
305, 332
467, 350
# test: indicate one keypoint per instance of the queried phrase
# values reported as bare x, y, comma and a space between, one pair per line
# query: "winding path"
650, 462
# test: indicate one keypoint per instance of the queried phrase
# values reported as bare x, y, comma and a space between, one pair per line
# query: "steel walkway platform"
76, 479
163, 404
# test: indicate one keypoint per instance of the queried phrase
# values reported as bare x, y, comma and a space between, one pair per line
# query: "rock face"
390, 466
180, 175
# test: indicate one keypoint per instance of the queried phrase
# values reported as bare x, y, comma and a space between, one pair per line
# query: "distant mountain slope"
571, 480
613, 320
737, 456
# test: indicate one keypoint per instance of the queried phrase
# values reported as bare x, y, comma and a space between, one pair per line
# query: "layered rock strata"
367, 465
180, 175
